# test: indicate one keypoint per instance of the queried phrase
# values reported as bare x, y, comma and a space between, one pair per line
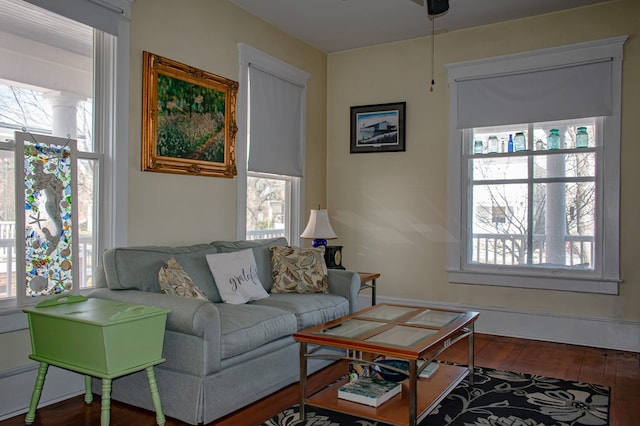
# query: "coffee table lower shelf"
395, 411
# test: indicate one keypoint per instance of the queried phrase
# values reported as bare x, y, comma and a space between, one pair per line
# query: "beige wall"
390, 210
174, 209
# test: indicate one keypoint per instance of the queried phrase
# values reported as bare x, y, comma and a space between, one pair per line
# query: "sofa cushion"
137, 267
298, 270
175, 281
309, 309
260, 252
246, 327
236, 276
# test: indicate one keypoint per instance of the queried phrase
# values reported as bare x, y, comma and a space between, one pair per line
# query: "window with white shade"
271, 151
534, 160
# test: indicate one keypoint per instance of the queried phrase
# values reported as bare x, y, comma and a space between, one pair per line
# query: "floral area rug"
499, 398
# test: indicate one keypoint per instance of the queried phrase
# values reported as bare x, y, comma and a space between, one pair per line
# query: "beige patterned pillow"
298, 270
175, 281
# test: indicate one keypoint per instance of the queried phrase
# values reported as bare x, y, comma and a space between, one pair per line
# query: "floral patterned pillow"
298, 270
175, 281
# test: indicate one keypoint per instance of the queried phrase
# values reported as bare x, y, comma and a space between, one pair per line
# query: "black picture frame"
378, 128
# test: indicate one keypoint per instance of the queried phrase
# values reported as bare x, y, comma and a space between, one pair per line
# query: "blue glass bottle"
553, 140
510, 144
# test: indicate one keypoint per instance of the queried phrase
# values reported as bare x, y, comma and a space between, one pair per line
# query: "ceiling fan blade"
420, 2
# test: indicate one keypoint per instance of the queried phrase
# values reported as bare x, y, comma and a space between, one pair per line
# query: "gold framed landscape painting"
188, 119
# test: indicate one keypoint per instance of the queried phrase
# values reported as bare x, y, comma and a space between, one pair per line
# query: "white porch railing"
511, 249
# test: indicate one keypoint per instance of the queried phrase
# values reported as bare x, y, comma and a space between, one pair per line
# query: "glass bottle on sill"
553, 140
510, 144
582, 138
478, 147
519, 142
492, 144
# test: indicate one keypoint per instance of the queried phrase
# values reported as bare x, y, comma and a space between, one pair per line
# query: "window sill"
580, 285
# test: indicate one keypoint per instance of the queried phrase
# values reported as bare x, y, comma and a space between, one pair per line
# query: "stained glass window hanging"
49, 245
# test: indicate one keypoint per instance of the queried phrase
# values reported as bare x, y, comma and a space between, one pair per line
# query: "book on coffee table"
369, 391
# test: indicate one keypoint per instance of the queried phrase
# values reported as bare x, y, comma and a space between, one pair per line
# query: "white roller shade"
276, 113
101, 14
572, 91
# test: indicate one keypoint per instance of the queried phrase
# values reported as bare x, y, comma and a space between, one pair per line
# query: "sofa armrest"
190, 316
345, 283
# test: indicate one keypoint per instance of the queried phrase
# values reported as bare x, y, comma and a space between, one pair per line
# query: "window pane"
501, 133
7, 226
87, 179
565, 165
565, 224
568, 130
499, 224
502, 168
266, 207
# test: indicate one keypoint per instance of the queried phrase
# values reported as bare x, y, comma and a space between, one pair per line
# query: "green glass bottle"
553, 140
582, 138
478, 147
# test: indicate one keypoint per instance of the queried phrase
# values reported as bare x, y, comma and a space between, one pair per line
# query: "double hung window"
271, 152
58, 78
534, 169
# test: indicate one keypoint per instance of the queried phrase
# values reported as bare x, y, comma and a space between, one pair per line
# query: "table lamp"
319, 228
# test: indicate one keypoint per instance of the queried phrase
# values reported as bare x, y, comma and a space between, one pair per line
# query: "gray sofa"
219, 357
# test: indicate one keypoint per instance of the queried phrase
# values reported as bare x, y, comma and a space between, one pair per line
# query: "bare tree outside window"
266, 207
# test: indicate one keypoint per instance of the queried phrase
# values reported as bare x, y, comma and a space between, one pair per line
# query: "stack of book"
369, 391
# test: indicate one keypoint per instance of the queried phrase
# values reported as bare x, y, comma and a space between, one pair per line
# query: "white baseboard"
16, 386
584, 331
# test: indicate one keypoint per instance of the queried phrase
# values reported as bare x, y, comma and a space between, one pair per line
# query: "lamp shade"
319, 226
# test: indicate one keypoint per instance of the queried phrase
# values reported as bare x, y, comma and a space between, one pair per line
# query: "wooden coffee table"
411, 333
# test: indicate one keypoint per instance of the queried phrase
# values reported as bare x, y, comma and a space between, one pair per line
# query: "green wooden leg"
105, 413
88, 395
37, 391
155, 396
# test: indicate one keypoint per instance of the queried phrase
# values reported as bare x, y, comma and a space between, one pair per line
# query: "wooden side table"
97, 338
369, 277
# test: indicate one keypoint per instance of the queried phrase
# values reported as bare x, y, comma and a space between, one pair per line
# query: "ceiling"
335, 25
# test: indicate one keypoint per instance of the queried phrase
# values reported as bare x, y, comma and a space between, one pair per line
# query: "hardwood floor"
617, 369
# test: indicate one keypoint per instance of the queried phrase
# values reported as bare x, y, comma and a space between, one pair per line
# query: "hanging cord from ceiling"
433, 52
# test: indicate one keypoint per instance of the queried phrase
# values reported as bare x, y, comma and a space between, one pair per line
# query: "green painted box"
102, 338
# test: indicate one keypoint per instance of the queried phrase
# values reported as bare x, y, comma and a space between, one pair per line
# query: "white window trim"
249, 55
608, 278
114, 193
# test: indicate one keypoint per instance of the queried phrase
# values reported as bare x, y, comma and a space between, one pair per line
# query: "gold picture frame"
188, 119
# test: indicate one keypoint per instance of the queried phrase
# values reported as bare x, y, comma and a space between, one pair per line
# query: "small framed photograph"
188, 119
378, 128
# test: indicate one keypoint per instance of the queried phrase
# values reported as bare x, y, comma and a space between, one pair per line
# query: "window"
270, 153
534, 160
58, 78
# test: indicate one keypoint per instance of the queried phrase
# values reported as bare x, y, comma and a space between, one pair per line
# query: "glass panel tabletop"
433, 318
401, 335
388, 312
351, 328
